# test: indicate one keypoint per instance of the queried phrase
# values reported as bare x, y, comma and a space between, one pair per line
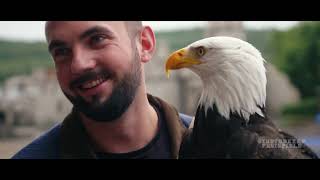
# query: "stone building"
33, 100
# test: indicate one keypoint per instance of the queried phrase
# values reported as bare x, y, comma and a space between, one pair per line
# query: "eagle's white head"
232, 72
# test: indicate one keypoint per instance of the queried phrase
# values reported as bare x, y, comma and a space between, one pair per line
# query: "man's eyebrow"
97, 29
55, 43
93, 30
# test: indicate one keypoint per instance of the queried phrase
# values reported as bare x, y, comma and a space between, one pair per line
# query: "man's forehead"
53, 27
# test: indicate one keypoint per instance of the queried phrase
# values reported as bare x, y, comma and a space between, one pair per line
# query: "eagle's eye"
200, 51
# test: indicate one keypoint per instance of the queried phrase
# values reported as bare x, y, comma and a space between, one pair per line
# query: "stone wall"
34, 99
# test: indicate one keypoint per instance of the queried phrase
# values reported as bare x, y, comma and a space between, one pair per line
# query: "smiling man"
100, 69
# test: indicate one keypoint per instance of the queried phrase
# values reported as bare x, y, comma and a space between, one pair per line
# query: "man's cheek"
64, 85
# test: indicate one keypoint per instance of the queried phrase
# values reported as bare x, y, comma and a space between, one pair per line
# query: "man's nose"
82, 62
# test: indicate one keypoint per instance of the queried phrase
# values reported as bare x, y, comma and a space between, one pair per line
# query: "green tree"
22, 58
297, 53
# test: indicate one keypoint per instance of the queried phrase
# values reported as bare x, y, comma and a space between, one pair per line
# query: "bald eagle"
231, 121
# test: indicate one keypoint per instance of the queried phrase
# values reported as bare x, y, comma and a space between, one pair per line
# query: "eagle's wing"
259, 139
267, 142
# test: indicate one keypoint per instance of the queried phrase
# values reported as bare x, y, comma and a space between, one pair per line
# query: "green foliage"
297, 53
15, 50
21, 58
261, 40
307, 107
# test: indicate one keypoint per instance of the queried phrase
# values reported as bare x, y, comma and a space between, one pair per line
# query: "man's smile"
92, 86
92, 83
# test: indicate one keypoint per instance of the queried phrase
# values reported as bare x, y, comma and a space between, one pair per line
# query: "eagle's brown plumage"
212, 136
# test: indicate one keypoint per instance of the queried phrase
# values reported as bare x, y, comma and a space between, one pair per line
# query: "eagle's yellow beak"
180, 59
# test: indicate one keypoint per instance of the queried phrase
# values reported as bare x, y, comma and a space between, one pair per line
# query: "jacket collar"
75, 142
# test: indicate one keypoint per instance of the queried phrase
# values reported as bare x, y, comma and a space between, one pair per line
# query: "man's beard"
120, 99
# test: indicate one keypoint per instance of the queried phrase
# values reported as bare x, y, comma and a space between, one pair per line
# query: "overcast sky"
33, 30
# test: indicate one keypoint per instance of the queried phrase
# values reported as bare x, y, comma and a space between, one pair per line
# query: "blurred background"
31, 101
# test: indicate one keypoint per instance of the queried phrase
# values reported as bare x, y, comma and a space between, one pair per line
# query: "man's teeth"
93, 83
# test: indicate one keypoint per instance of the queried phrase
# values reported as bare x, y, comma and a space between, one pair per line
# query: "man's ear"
148, 44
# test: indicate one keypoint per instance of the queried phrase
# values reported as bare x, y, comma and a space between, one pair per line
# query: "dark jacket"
69, 139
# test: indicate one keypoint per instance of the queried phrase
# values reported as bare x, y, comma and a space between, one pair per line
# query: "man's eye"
61, 52
96, 39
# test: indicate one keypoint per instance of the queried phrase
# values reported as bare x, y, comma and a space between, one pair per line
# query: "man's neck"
132, 131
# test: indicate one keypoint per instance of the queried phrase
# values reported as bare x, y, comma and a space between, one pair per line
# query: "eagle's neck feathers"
234, 85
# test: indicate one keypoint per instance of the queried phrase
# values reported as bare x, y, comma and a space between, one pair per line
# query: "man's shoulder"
45, 146
186, 119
